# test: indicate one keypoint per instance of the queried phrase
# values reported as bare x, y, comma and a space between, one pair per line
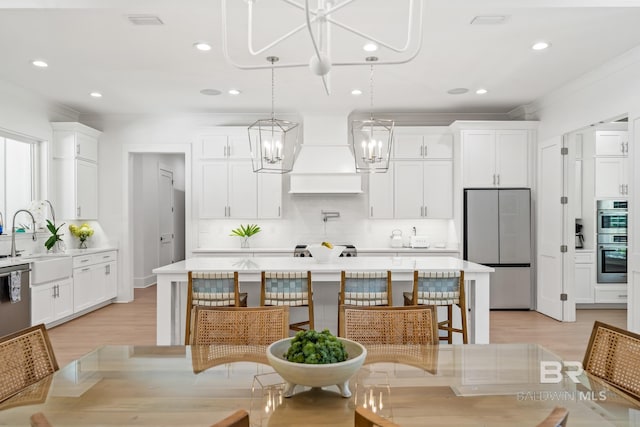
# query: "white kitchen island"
171, 286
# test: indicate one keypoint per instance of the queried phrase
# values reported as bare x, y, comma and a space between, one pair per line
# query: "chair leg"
450, 324
463, 319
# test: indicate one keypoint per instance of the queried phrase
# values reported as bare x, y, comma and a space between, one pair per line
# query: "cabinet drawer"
615, 295
584, 258
82, 261
105, 257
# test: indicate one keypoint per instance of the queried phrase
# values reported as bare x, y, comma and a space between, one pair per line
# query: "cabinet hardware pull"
622, 147
421, 210
425, 211
229, 211
371, 211
426, 151
224, 151
494, 179
278, 211
107, 269
107, 256
620, 190
498, 178
622, 296
421, 151
79, 210
57, 291
626, 147
84, 260
86, 269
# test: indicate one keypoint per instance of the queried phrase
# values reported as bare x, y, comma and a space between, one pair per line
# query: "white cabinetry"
94, 279
585, 277
423, 189
434, 142
75, 169
611, 177
381, 194
51, 301
495, 158
612, 143
611, 293
226, 183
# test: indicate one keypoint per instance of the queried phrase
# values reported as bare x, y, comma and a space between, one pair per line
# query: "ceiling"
156, 70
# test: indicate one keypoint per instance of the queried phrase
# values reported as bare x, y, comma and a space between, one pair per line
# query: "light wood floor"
135, 323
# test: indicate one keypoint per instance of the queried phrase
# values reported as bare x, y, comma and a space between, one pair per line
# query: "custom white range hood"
325, 163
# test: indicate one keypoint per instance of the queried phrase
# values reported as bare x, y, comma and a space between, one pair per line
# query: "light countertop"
291, 249
29, 258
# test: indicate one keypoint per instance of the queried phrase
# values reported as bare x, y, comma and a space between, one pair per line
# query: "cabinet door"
213, 190
269, 195
478, 158
214, 146
408, 193
111, 280
86, 147
381, 193
610, 175
512, 158
578, 190
42, 304
242, 190
98, 283
611, 143
407, 144
63, 303
584, 279
438, 146
438, 189
82, 289
238, 145
86, 190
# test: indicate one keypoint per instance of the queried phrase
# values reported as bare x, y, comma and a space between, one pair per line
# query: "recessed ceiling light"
356, 92
210, 92
203, 46
370, 47
39, 63
234, 92
95, 94
481, 91
458, 91
540, 46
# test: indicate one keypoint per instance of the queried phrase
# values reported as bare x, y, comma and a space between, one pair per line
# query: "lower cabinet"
585, 277
51, 301
94, 279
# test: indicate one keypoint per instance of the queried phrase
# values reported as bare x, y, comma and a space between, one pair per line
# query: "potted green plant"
55, 237
245, 232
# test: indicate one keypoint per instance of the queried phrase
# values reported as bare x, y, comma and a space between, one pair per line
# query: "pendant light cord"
273, 86
371, 93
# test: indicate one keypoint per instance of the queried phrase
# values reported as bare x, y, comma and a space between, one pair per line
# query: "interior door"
633, 254
550, 283
165, 211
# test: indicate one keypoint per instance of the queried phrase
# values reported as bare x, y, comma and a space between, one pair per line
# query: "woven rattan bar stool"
365, 418
211, 289
389, 325
365, 288
613, 355
291, 289
441, 288
240, 418
27, 357
240, 325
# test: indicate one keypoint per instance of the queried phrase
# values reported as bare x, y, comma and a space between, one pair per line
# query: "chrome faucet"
13, 230
414, 230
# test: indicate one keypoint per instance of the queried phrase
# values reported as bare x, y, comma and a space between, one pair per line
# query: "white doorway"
166, 216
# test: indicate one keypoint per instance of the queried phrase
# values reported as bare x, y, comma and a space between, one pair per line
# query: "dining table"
411, 385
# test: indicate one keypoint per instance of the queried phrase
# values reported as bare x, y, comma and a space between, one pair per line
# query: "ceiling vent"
144, 20
489, 20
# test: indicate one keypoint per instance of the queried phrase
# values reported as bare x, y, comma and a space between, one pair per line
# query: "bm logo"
551, 372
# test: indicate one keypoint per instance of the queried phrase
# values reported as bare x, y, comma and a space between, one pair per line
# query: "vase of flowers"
245, 232
83, 233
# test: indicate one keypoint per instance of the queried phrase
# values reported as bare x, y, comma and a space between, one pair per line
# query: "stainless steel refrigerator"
497, 233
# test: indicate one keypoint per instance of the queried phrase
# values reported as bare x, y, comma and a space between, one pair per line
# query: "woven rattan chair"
365, 288
240, 418
389, 325
26, 357
212, 289
240, 325
441, 288
557, 418
39, 420
365, 418
291, 289
613, 355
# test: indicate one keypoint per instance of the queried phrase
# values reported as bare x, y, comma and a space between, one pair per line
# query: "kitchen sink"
46, 268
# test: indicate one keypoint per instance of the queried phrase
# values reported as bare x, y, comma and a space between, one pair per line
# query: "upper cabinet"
432, 142
75, 170
494, 157
612, 143
226, 143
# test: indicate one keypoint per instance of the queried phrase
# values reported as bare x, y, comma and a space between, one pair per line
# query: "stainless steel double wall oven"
612, 241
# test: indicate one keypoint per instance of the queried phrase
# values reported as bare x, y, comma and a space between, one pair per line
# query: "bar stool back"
290, 288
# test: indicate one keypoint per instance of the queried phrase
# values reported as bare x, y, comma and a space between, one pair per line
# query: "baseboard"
144, 282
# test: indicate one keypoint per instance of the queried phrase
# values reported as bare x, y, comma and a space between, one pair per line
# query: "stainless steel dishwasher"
14, 316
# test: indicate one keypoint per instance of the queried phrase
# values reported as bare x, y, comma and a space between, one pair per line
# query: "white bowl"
323, 254
316, 375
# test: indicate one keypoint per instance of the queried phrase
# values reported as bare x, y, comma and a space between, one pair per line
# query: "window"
17, 178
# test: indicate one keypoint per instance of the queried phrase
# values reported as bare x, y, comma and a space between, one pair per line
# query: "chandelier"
371, 139
323, 17
273, 141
